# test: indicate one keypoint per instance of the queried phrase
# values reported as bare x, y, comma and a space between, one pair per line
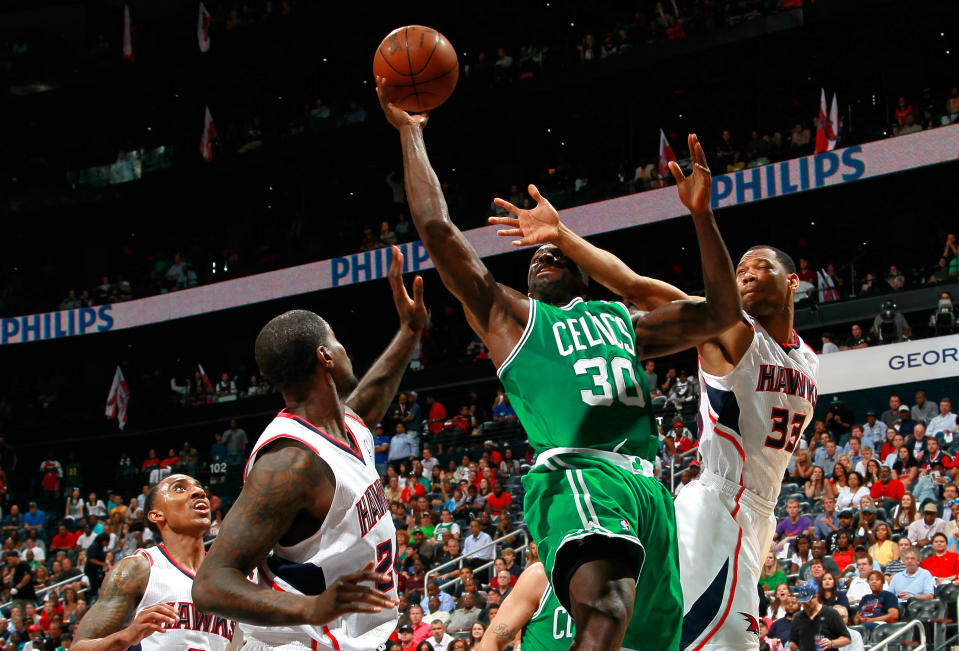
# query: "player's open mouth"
202, 507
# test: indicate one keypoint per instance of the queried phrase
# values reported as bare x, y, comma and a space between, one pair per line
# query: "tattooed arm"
373, 394
102, 628
516, 610
288, 493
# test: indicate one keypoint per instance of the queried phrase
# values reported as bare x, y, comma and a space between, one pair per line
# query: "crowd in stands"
867, 516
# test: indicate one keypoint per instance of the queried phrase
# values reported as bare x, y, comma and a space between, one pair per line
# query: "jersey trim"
522, 340
624, 461
732, 591
353, 448
163, 550
572, 302
542, 602
256, 450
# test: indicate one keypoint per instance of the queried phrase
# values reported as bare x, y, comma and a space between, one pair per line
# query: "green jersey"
575, 382
548, 625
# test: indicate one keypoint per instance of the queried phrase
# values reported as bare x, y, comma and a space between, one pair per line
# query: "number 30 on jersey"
627, 389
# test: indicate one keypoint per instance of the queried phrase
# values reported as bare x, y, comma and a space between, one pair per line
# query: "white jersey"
358, 529
753, 417
171, 583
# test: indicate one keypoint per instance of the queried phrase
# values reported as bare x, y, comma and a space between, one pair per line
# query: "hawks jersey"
358, 529
575, 381
753, 417
171, 583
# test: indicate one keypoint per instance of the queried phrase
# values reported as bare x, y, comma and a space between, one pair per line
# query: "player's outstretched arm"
376, 389
497, 314
681, 324
286, 481
103, 627
516, 610
542, 225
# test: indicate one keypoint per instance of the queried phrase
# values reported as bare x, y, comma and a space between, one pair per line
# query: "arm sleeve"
928, 584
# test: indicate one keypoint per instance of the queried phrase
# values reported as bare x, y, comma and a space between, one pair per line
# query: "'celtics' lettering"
589, 331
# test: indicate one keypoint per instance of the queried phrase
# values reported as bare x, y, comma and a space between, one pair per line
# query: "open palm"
695, 189
537, 226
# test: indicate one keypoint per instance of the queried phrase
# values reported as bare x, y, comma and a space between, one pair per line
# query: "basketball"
419, 65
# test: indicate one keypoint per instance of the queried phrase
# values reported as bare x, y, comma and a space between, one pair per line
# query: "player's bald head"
285, 349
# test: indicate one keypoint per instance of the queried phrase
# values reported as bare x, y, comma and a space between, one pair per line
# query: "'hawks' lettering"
779, 379
371, 506
191, 619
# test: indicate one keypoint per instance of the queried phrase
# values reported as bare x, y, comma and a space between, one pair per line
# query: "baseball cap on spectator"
871, 412
846, 513
33, 628
953, 502
869, 509
836, 400
694, 462
930, 508
488, 442
903, 408
804, 592
405, 629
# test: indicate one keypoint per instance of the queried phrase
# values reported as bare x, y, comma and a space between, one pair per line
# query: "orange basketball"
419, 65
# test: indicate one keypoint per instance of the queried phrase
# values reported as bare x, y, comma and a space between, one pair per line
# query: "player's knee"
613, 603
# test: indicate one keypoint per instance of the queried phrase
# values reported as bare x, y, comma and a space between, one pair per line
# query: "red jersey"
891, 492
943, 567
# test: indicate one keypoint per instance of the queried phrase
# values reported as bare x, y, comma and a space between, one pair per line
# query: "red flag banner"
665, 155
209, 133
127, 36
203, 28
117, 399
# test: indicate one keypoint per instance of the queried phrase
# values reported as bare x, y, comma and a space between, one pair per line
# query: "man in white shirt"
921, 531
441, 639
943, 426
827, 344
867, 453
856, 643
859, 586
476, 541
429, 462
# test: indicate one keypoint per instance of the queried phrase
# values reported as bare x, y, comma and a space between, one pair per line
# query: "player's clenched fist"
346, 595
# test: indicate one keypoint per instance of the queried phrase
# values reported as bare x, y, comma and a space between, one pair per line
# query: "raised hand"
537, 226
346, 595
412, 311
150, 620
695, 189
394, 114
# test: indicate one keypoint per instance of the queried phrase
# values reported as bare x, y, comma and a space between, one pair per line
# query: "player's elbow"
203, 590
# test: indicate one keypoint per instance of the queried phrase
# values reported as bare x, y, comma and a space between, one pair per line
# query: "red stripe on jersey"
739, 448
143, 552
270, 581
336, 645
163, 550
353, 449
256, 450
738, 495
732, 591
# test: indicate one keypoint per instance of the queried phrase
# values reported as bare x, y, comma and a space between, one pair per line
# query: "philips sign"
775, 180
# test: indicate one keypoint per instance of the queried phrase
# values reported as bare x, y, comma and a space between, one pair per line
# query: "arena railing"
459, 560
42, 591
895, 638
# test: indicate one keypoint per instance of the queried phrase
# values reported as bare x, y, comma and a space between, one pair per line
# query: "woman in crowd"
884, 550
96, 507
459, 644
800, 552
844, 554
829, 594
952, 527
424, 646
839, 476
532, 553
906, 468
69, 603
41, 578
904, 514
476, 634
508, 466
888, 447
872, 473
776, 607
851, 494
75, 512
393, 490
817, 486
484, 488
771, 576
803, 468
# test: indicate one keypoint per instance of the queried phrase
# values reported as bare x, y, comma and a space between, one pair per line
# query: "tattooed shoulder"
119, 596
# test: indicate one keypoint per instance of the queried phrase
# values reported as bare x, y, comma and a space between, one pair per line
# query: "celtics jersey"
549, 624
575, 382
